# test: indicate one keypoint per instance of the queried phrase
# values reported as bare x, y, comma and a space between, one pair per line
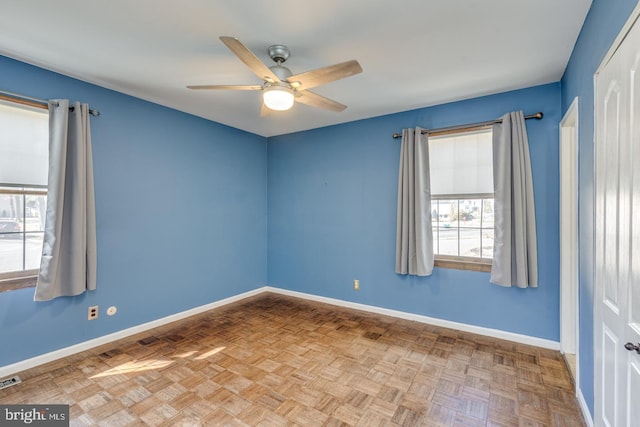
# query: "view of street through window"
463, 227
21, 228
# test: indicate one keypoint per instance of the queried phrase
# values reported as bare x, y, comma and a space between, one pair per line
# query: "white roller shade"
461, 164
24, 145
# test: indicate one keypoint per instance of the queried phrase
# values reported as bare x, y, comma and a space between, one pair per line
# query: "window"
24, 158
461, 167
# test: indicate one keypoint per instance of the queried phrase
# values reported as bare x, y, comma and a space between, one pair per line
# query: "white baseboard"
86, 345
494, 333
586, 414
105, 339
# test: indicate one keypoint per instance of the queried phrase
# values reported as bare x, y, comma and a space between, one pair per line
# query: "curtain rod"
536, 116
33, 102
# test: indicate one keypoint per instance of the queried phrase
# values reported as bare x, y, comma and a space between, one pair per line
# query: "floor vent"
8, 382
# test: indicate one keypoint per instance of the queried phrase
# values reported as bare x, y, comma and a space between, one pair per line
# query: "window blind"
461, 164
24, 145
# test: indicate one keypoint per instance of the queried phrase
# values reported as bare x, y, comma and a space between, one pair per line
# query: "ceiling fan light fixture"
278, 97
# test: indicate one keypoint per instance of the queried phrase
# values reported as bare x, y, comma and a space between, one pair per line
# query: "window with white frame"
461, 171
24, 159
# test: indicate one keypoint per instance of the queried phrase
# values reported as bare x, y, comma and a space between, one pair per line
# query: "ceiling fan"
281, 87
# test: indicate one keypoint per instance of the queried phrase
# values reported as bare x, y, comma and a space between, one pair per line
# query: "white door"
617, 222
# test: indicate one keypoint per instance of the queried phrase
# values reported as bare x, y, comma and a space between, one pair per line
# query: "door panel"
634, 135
610, 158
617, 288
606, 381
632, 318
610, 376
633, 393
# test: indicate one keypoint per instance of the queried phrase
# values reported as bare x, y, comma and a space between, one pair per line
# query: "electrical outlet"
356, 284
93, 312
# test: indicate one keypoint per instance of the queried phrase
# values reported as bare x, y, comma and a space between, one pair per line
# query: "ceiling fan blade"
226, 87
314, 100
252, 61
320, 76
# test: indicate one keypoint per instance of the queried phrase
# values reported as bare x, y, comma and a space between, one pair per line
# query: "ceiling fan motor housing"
279, 53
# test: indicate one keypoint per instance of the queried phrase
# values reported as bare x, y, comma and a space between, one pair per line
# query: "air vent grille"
8, 382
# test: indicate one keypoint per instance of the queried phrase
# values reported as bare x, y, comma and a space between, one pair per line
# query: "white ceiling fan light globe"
278, 98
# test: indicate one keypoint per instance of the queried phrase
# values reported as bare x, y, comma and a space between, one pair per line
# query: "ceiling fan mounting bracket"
279, 53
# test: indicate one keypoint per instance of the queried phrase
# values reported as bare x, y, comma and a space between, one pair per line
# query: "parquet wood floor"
272, 360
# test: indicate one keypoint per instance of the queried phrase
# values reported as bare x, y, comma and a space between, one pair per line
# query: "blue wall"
181, 216
603, 23
332, 215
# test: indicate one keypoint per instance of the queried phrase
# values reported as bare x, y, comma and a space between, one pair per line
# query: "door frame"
569, 247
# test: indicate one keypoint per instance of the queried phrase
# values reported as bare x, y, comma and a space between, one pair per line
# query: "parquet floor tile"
273, 360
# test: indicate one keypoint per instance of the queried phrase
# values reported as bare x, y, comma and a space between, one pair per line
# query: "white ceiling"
414, 53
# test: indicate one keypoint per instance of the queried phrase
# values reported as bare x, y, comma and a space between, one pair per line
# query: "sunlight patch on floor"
210, 353
137, 366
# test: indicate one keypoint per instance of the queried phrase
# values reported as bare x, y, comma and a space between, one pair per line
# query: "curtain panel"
414, 236
69, 260
515, 255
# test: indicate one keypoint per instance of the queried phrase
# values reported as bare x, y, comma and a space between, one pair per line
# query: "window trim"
18, 275
25, 279
463, 263
462, 196
20, 188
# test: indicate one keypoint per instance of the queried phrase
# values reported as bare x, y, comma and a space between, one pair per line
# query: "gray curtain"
515, 256
414, 237
68, 265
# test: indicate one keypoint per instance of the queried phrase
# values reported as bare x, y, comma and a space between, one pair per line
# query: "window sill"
463, 264
18, 283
